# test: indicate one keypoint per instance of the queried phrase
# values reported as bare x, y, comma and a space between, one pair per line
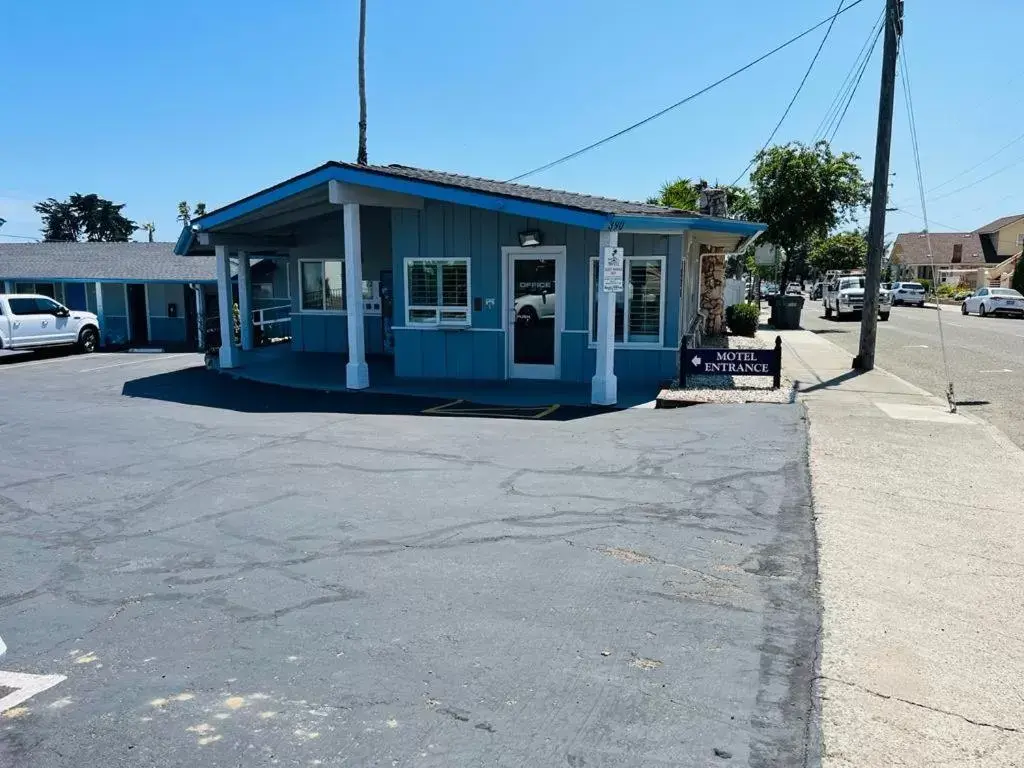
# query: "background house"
141, 293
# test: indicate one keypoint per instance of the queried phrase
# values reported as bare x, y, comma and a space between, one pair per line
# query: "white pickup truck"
29, 321
844, 295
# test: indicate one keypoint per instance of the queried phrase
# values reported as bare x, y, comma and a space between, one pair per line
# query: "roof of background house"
995, 226
913, 248
109, 262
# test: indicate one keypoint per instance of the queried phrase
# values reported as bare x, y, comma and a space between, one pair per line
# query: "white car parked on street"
994, 301
907, 293
29, 321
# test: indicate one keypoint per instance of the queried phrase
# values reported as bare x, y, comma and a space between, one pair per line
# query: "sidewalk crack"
980, 723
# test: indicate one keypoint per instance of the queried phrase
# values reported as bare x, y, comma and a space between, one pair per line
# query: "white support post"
200, 296
228, 350
8, 286
604, 385
245, 300
101, 321
357, 375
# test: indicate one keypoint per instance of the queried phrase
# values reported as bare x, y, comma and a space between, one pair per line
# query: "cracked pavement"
274, 584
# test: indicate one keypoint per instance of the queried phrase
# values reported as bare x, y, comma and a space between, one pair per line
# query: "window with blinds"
438, 292
323, 286
638, 308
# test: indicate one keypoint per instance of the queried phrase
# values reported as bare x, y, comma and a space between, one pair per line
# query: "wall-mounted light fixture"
529, 238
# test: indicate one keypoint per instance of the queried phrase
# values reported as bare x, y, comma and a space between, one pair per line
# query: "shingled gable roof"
110, 262
995, 226
911, 248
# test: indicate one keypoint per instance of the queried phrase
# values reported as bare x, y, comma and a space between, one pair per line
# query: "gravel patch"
730, 389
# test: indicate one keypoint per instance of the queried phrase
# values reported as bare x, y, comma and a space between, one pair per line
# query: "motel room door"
535, 304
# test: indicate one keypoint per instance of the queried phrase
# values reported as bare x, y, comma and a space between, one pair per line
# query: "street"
986, 357
220, 573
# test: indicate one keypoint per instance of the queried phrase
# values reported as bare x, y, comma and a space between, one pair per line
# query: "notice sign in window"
612, 261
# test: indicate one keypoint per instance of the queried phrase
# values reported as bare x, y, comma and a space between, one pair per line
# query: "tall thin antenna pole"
361, 154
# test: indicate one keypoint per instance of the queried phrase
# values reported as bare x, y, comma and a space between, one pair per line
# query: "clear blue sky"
151, 103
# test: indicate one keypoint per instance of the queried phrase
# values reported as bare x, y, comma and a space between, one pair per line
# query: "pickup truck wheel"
884, 316
88, 340
828, 312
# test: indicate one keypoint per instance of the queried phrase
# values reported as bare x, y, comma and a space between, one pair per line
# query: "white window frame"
1020, 239
625, 343
438, 308
302, 309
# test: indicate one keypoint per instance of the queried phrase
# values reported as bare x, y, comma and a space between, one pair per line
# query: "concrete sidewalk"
918, 515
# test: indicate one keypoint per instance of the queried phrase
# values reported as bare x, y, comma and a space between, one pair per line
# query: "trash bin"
786, 312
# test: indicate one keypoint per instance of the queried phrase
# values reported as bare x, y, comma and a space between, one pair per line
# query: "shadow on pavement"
851, 374
198, 386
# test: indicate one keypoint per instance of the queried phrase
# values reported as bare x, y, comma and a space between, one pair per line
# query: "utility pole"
865, 359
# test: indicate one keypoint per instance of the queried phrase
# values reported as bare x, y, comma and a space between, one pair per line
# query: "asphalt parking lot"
237, 575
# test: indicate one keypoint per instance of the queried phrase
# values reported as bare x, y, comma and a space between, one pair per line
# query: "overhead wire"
909, 101
681, 102
837, 100
796, 93
853, 90
978, 164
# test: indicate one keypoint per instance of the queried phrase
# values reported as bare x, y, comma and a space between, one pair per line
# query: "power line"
856, 85
978, 164
21, 237
689, 98
996, 172
799, 88
833, 108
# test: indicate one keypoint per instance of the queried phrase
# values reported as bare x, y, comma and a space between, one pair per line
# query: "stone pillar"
712, 289
357, 374
604, 385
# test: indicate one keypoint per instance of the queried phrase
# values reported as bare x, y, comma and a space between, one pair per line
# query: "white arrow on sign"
696, 360
25, 687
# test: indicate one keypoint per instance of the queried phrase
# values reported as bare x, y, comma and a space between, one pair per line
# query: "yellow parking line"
439, 408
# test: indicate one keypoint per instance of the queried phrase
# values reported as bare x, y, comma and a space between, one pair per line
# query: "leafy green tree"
1017, 281
98, 219
685, 194
150, 228
803, 193
846, 250
60, 221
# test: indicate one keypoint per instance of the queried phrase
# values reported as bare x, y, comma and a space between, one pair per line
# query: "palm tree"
150, 228
199, 210
184, 214
361, 155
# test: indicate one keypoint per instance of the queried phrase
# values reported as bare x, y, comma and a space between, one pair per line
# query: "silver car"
994, 301
907, 293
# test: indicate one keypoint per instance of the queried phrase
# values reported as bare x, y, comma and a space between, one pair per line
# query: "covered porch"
327, 372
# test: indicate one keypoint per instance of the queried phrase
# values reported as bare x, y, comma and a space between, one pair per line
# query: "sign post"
612, 260
731, 362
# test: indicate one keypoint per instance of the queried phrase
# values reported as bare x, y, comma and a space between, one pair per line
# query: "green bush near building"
742, 318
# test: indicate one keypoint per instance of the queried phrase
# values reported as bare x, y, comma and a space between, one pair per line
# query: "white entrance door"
535, 308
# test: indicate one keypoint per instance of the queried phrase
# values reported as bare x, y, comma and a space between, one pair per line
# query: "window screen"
638, 307
438, 291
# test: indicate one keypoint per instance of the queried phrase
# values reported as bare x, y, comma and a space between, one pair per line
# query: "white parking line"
997, 370
25, 687
147, 359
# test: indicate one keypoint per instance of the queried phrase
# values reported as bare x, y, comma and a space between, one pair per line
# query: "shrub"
946, 289
926, 283
742, 318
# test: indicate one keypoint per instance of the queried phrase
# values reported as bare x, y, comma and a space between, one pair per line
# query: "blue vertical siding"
443, 230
